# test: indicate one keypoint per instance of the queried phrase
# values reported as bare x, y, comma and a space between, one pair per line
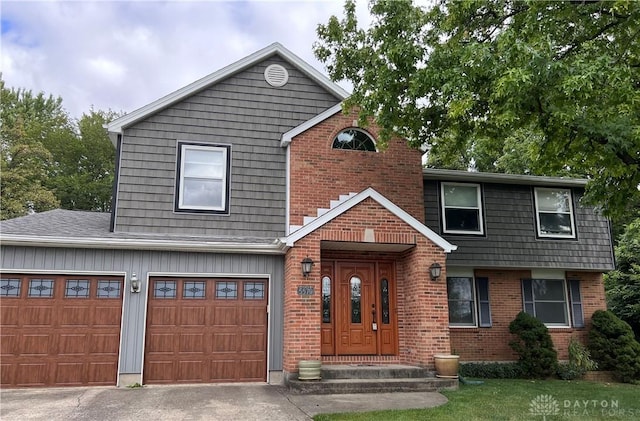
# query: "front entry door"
357, 310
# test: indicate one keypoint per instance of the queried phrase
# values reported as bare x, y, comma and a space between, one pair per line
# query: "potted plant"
309, 370
447, 365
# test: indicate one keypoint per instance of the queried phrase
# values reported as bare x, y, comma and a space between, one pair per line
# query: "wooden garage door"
59, 330
206, 331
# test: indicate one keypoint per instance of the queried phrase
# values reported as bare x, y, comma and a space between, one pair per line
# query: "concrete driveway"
195, 402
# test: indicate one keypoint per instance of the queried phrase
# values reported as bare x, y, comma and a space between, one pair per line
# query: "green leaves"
623, 284
561, 77
49, 161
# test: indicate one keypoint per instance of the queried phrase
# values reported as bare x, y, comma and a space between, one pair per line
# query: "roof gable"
318, 222
288, 136
119, 124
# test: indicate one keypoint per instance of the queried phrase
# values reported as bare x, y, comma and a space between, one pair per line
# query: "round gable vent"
276, 75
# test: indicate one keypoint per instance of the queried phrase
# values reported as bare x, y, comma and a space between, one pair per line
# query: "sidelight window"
356, 300
326, 299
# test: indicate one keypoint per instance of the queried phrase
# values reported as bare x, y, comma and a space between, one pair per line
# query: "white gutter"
538, 180
276, 247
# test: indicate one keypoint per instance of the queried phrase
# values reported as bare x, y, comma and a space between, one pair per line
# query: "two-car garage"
65, 330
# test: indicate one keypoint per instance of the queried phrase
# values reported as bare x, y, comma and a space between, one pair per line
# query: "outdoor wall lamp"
306, 264
135, 283
435, 270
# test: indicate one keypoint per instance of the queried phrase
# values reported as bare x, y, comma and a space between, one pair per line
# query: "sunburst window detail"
354, 139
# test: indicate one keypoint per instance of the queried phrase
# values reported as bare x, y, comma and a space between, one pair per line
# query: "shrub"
537, 357
491, 370
613, 346
579, 362
567, 371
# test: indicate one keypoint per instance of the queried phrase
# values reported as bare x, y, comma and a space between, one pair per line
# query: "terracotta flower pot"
447, 366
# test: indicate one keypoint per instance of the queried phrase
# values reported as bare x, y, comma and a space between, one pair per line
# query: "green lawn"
521, 400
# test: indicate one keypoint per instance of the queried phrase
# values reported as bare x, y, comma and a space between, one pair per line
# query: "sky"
122, 55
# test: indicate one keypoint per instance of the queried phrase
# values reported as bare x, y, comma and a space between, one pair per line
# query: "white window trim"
476, 316
375, 144
571, 214
567, 304
184, 146
479, 208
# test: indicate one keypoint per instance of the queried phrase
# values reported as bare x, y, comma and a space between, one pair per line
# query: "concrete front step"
356, 378
343, 386
391, 371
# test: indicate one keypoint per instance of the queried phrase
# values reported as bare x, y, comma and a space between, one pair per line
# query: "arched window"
354, 139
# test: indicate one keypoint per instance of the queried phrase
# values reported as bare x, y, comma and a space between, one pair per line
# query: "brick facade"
505, 295
319, 174
423, 323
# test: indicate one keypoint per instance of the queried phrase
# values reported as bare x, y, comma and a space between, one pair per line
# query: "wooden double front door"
358, 308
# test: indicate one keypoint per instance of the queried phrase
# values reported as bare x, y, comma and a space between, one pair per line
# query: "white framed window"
547, 300
461, 208
554, 213
354, 139
203, 178
468, 302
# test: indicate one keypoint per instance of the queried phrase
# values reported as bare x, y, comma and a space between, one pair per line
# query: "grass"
513, 399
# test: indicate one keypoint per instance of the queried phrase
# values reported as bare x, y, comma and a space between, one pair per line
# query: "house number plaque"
305, 290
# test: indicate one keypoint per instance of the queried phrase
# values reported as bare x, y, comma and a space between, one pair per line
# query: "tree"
546, 88
623, 284
23, 174
26, 121
83, 171
48, 160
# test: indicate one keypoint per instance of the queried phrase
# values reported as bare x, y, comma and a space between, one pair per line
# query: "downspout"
116, 181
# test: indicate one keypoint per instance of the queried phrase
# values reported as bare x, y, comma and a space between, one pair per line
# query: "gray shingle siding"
510, 228
243, 111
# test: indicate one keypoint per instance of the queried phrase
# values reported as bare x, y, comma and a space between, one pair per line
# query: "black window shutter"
484, 307
527, 297
576, 303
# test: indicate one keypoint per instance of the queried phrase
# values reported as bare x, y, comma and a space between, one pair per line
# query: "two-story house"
255, 225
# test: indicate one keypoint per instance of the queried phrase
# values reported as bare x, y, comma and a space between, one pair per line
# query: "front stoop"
341, 379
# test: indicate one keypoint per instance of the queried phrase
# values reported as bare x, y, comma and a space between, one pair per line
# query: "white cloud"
106, 70
123, 55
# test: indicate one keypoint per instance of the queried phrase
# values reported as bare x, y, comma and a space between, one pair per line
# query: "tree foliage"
49, 160
84, 166
26, 121
623, 284
544, 88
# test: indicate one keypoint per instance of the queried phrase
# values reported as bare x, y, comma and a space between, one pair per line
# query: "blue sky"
122, 55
